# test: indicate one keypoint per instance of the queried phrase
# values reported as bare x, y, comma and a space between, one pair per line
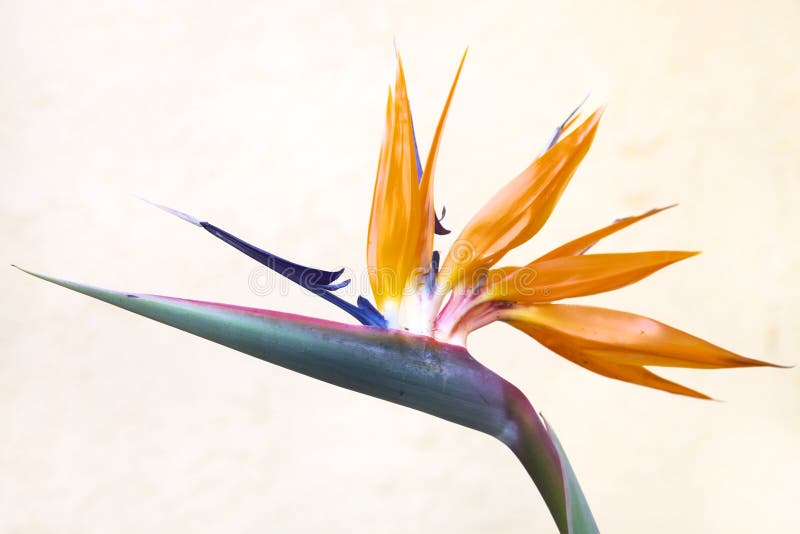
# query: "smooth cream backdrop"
266, 119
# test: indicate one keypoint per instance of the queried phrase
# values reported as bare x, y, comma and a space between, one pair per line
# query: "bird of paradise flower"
410, 346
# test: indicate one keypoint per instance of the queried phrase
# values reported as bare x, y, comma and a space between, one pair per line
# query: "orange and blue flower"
409, 348
410, 288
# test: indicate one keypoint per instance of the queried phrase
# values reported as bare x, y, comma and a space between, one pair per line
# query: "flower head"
410, 349
409, 288
413, 293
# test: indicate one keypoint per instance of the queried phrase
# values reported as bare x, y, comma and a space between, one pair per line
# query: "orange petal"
378, 200
393, 247
577, 276
618, 344
426, 183
520, 209
584, 243
636, 374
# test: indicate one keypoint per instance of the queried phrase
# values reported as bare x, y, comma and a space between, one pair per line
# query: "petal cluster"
402, 221
519, 210
471, 290
620, 345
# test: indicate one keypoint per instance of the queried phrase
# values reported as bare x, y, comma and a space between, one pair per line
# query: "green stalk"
414, 371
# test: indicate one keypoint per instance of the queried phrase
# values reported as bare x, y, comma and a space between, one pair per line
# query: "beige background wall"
266, 119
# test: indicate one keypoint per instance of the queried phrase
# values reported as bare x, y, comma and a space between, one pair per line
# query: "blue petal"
438, 229
430, 283
317, 281
308, 277
416, 151
371, 311
367, 316
560, 129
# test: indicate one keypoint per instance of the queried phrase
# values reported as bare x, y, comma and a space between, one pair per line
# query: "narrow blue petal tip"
318, 281
560, 130
438, 228
416, 152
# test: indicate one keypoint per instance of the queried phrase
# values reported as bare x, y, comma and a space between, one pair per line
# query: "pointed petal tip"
642, 376
399, 58
647, 213
589, 124
760, 363
740, 362
584, 243
651, 212
684, 391
179, 214
597, 114
337, 285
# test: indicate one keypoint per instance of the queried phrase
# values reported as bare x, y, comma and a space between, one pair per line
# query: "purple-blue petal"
319, 282
416, 152
560, 129
430, 282
307, 277
438, 228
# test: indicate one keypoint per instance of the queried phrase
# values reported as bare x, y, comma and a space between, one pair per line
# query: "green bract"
414, 371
